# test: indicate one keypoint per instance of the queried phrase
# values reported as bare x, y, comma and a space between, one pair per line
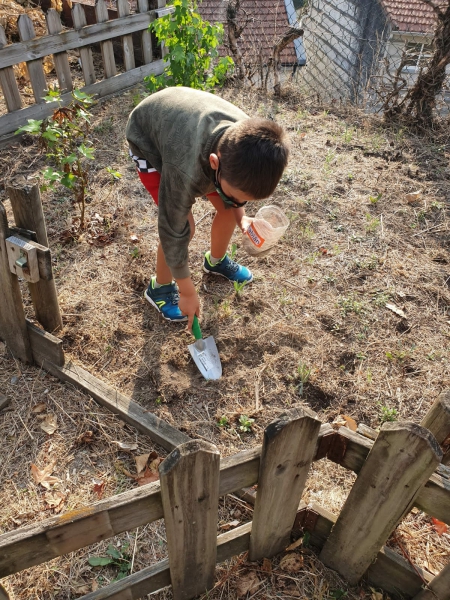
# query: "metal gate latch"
22, 258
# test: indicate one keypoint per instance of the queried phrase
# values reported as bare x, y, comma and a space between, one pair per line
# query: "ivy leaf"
86, 151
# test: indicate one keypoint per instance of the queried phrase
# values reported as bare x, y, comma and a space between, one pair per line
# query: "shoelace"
232, 266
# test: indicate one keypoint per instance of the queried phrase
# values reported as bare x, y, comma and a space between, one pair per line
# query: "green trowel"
205, 354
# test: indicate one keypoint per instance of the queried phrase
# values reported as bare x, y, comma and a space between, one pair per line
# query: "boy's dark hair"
253, 156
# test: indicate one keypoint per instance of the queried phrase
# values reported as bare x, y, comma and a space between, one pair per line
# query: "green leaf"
32, 127
51, 175
113, 552
50, 135
68, 180
86, 151
99, 561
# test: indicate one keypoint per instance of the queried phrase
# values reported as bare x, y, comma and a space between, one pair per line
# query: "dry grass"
318, 300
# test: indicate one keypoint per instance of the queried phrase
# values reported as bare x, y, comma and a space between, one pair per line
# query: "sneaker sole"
147, 297
224, 276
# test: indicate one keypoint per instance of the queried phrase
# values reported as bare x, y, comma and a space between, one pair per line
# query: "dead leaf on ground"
247, 584
54, 498
439, 526
49, 424
147, 468
85, 438
376, 595
398, 311
350, 423
413, 196
99, 487
267, 565
291, 563
295, 544
44, 476
126, 446
38, 408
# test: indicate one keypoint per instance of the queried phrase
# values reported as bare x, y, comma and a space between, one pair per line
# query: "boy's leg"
217, 262
163, 273
222, 227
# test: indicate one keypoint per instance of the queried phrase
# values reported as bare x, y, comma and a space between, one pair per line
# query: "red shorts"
151, 183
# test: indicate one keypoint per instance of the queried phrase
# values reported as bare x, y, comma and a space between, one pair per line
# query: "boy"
186, 144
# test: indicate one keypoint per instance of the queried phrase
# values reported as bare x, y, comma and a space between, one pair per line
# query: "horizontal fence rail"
31, 50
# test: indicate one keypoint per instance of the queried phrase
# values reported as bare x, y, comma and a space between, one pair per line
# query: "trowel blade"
207, 359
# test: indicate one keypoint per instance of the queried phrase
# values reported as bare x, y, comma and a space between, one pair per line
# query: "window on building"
417, 55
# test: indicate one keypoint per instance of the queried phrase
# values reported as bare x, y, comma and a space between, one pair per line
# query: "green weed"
372, 223
387, 414
116, 558
245, 423
223, 422
350, 305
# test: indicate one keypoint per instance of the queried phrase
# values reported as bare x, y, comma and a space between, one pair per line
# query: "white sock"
158, 285
213, 260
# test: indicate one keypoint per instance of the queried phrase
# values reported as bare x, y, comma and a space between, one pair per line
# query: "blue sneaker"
165, 300
227, 268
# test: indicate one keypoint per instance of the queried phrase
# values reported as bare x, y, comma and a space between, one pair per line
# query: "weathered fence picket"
60, 59
87, 62
438, 588
146, 38
401, 460
13, 328
284, 466
28, 214
8, 82
109, 64
123, 10
190, 498
35, 68
437, 420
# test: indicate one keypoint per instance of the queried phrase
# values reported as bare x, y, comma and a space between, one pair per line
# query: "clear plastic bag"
267, 227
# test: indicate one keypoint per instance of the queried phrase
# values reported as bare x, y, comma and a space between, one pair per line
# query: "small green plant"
134, 253
347, 136
387, 414
223, 422
381, 298
311, 258
302, 375
374, 199
115, 175
158, 401
350, 177
238, 287
116, 558
306, 232
349, 305
233, 251
64, 138
245, 423
372, 223
330, 279
192, 49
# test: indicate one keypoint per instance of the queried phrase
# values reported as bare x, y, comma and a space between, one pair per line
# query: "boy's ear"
214, 161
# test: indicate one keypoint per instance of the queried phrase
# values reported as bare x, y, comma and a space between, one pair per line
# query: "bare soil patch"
321, 302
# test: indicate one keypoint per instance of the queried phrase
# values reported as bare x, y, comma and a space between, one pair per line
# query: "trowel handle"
197, 332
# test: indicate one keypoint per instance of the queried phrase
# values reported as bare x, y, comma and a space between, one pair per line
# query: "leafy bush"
192, 47
64, 138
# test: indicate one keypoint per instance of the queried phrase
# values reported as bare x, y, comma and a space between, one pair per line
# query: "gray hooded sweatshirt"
176, 130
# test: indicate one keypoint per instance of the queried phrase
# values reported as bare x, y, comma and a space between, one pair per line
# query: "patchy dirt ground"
347, 315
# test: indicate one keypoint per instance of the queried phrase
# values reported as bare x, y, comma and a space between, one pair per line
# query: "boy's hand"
189, 303
245, 223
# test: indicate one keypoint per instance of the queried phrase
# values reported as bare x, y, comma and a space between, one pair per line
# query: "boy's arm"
189, 303
242, 221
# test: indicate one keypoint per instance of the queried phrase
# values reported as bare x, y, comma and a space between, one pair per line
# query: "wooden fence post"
190, 498
123, 10
27, 209
35, 67
402, 459
438, 589
109, 64
60, 59
87, 62
13, 328
8, 81
288, 450
437, 420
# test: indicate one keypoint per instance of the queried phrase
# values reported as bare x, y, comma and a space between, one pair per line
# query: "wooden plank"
34, 67
437, 420
109, 64
87, 62
26, 204
12, 121
438, 588
71, 40
13, 329
4, 401
146, 39
402, 459
151, 579
45, 346
60, 59
287, 453
146, 422
190, 497
8, 81
123, 10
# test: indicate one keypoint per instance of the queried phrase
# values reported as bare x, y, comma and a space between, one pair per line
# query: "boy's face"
231, 192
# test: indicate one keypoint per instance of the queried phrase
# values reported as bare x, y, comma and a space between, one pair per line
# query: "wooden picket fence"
32, 50
401, 467
396, 471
